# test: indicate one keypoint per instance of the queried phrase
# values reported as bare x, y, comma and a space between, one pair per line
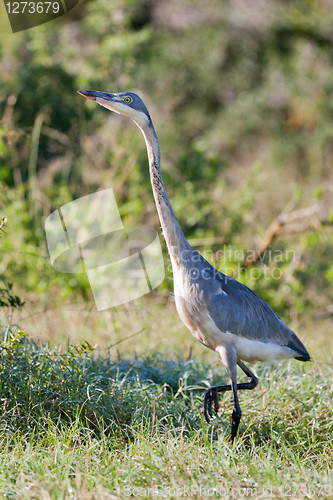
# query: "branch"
297, 221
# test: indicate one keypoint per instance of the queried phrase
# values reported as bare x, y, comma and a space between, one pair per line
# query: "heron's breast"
196, 318
192, 309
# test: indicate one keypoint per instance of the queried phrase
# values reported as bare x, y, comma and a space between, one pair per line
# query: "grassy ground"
77, 423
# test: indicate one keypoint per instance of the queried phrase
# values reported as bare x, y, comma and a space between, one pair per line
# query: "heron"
222, 313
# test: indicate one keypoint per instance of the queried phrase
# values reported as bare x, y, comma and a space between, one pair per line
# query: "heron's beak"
89, 94
93, 95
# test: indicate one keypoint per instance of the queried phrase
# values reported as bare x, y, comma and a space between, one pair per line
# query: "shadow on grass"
41, 386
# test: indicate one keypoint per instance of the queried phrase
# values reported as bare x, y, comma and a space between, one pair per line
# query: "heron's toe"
209, 402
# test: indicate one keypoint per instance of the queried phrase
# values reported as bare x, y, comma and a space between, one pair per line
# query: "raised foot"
210, 401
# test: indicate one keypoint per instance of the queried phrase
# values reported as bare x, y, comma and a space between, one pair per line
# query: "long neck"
177, 244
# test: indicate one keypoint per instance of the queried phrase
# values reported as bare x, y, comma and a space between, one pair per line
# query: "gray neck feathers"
177, 244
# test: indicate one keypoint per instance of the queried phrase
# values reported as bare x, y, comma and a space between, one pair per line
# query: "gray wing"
236, 309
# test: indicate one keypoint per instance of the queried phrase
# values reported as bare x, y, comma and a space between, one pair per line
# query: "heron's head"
125, 103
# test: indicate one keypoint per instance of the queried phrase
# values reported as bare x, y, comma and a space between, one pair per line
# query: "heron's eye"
128, 99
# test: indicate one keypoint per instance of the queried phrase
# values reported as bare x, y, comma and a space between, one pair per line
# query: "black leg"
210, 398
236, 414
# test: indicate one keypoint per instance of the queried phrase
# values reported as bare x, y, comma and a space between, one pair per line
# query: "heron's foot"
210, 402
235, 419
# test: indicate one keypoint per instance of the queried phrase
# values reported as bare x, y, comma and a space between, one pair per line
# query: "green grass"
82, 424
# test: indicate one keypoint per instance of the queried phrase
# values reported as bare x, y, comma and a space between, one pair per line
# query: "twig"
287, 223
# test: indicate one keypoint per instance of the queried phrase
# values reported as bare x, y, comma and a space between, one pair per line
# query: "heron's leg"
253, 380
210, 396
229, 359
236, 413
251, 384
